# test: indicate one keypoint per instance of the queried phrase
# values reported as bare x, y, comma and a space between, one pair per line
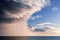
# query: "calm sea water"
45, 38
32, 38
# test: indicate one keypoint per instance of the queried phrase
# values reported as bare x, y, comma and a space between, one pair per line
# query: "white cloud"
54, 8
46, 27
46, 23
35, 17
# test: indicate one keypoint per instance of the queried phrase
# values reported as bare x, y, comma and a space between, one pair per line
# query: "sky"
48, 14
47, 19
45, 16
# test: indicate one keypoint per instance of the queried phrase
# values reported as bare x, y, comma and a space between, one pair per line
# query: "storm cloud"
21, 8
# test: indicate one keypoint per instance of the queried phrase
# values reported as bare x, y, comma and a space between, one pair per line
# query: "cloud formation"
21, 9
35, 17
46, 27
25, 8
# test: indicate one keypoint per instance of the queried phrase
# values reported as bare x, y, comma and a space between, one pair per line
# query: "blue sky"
50, 14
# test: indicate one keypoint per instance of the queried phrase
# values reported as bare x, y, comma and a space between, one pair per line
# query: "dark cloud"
26, 7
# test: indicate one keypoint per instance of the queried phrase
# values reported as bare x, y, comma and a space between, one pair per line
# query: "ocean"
44, 38
30, 38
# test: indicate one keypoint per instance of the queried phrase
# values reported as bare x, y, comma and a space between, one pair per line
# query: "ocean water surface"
45, 38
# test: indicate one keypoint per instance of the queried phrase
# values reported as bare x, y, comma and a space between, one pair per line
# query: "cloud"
54, 8
25, 7
46, 23
35, 17
45, 27
35, 5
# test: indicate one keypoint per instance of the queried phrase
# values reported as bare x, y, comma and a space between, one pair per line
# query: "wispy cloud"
46, 23
46, 27
54, 8
35, 17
